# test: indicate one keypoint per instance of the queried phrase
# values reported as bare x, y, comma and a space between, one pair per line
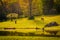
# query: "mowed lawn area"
25, 23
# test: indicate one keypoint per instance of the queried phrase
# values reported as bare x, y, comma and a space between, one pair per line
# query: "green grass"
25, 23
27, 38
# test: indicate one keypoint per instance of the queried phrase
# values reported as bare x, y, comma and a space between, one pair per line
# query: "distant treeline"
39, 7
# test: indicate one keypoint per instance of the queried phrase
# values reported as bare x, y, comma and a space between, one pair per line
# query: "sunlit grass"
25, 23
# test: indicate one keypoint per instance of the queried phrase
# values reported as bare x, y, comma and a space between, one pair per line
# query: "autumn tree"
37, 7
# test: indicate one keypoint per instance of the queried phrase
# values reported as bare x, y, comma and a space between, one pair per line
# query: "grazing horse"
42, 19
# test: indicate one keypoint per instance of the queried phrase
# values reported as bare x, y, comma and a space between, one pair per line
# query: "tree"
2, 11
57, 6
15, 8
37, 7
30, 10
47, 6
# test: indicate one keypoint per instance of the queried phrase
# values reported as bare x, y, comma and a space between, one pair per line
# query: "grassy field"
25, 23
27, 38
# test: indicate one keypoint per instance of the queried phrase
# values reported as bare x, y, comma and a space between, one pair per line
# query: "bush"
31, 18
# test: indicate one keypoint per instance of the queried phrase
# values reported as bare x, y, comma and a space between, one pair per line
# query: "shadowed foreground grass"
27, 38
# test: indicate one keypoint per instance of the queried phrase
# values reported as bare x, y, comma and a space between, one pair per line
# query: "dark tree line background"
2, 11
8, 8
50, 7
